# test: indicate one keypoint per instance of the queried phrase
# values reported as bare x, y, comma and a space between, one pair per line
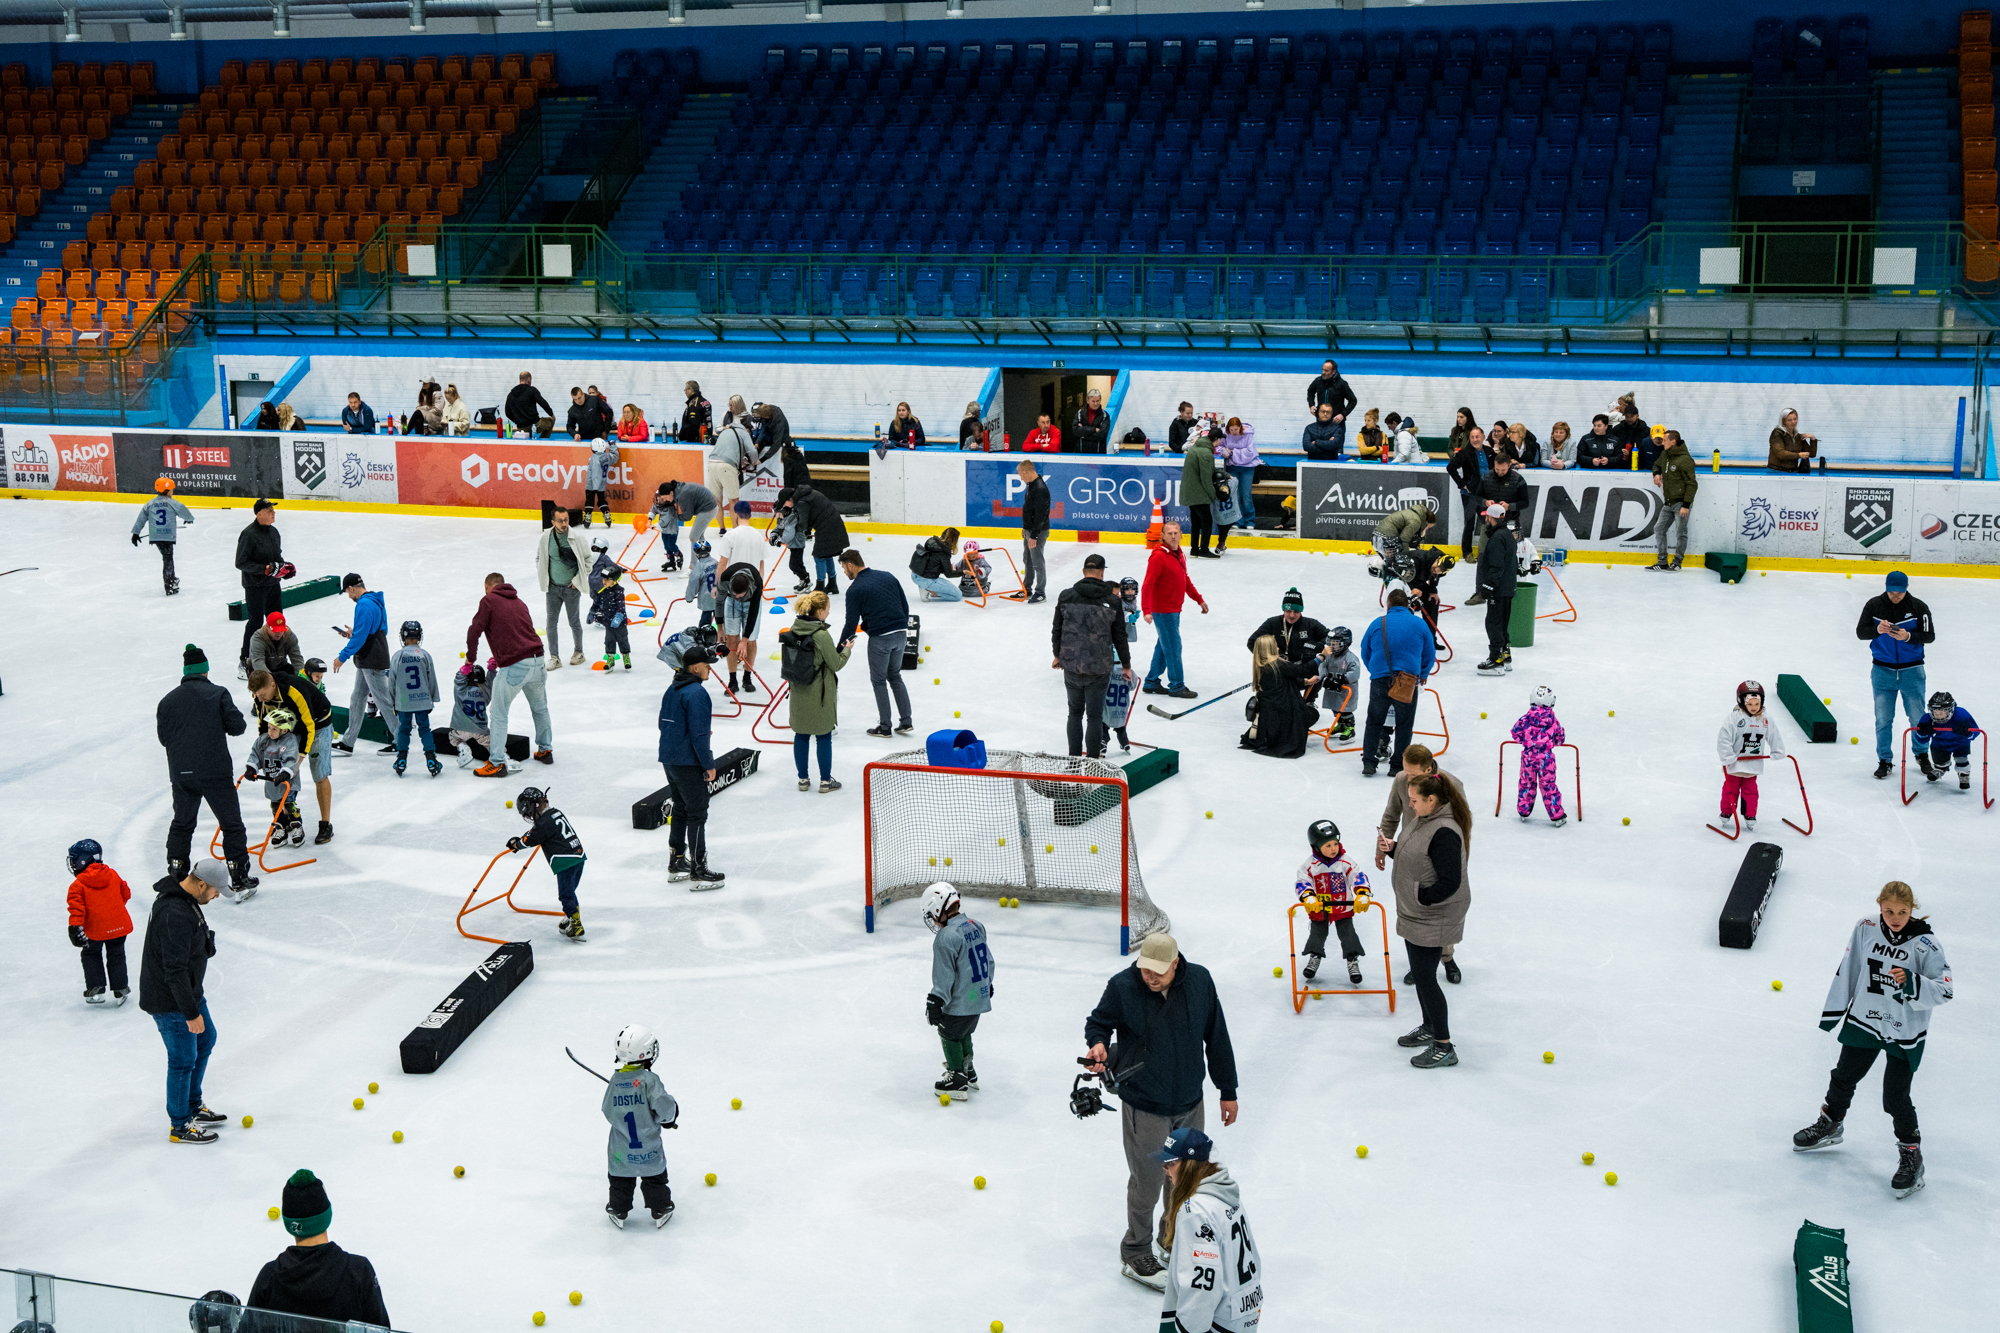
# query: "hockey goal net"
1038, 827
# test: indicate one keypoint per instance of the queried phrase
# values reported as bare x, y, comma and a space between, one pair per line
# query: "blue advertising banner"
1084, 495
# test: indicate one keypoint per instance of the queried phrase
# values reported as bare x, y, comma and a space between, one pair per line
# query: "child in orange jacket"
98, 921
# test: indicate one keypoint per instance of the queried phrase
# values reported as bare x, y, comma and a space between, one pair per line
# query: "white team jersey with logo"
1746, 745
1866, 1004
1214, 1276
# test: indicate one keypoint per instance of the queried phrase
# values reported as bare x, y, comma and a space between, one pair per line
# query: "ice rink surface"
844, 1196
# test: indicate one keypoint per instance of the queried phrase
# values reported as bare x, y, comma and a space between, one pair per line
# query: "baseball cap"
1898, 580
1495, 510
352, 581
1093, 561
276, 620
1185, 1145
1158, 952
261, 506
212, 872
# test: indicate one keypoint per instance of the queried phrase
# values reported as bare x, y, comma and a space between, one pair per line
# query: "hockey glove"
135, 539
287, 570
513, 844
76, 936
934, 1009
249, 772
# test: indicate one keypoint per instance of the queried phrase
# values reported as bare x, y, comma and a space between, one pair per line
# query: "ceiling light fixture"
417, 16
677, 11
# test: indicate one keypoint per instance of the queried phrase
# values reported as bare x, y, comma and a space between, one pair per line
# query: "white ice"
845, 1196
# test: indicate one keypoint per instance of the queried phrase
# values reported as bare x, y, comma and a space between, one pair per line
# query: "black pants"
1379, 704
221, 798
167, 575
258, 603
1203, 517
1350, 943
595, 500
654, 1188
689, 832
1468, 536
1498, 611
96, 954
799, 563
618, 638
1855, 1062
1430, 996
1086, 713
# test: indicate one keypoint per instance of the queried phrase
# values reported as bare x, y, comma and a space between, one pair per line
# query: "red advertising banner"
467, 471
85, 459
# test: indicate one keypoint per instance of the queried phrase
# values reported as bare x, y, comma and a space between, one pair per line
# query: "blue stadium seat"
1531, 298
1159, 292
781, 290
1406, 294
1489, 296
1364, 290
1042, 292
1448, 295
1322, 289
1120, 295
1280, 294
966, 292
1198, 293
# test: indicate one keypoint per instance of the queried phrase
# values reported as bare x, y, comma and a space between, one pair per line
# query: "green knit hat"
306, 1210
194, 662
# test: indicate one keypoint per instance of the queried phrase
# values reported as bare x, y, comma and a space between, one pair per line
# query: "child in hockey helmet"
638, 1106
961, 987
1128, 602
469, 699
98, 921
553, 833
1748, 740
1949, 730
274, 757
1340, 677
1539, 733
1328, 885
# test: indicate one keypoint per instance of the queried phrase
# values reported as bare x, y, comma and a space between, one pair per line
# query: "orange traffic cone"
1153, 528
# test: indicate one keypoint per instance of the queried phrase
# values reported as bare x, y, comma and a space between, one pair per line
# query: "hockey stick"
1158, 711
584, 1067
17, 569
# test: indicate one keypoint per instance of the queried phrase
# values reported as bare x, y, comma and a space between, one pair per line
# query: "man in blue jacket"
690, 763
368, 646
1166, 1016
1896, 627
1397, 641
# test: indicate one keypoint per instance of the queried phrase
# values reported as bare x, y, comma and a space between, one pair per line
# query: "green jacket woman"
1198, 471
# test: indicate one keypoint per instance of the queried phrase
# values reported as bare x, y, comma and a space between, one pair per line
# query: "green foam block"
1803, 703
1819, 1263
309, 591
1150, 769
372, 728
1730, 567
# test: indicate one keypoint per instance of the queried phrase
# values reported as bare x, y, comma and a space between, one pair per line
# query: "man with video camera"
1163, 1012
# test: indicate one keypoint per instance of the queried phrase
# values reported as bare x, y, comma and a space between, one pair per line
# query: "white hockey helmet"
597, 446
1544, 697
939, 900
599, 544
636, 1045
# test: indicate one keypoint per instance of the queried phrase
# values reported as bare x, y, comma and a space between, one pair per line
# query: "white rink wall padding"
844, 1191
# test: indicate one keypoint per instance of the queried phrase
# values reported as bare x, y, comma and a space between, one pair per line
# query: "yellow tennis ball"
947, 860
273, 1214
1589, 1157
1482, 715
1612, 712
1003, 842
708, 1179
1611, 1177
1360, 1150
933, 860
1826, 701
540, 1319
1628, 819
954, 712
1208, 814
997, 1327
1277, 971
1049, 847
1319, 995
576, 1298
246, 1122
510, 805
1548, 1057
944, 1099
1853, 740
735, 1103
1093, 849
979, 1182
458, 1171
374, 1087
1777, 985
397, 1137
1763, 574
937, 680
357, 1103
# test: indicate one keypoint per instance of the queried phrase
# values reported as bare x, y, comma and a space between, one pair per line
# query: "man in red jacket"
1044, 438
517, 668
1161, 594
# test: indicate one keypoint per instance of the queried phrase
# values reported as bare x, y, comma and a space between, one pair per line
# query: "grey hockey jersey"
468, 707
637, 1104
413, 681
1214, 1273
1746, 745
162, 515
1866, 1004
962, 967
279, 757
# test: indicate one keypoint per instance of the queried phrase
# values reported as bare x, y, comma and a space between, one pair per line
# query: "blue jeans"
800, 745
943, 589
1166, 650
527, 677
187, 1061
1889, 682
1246, 503
824, 569
566, 882
421, 722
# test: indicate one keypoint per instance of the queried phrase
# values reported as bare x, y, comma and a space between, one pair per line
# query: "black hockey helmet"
531, 802
87, 851
1748, 688
412, 629
474, 673
1941, 702
1340, 638
218, 1311
1128, 586
315, 666
1322, 832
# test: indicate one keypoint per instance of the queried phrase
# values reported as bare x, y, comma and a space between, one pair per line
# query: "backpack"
920, 562
798, 662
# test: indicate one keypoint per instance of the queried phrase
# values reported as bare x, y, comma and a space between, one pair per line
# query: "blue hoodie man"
368, 647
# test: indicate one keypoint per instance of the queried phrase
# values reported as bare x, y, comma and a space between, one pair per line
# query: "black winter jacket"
1295, 642
193, 721
1284, 718
933, 561
1035, 506
258, 547
590, 420
174, 958
1091, 430
1167, 1033
1331, 389
819, 518
1510, 490
1088, 627
526, 406
1465, 468
1497, 562
1591, 447
321, 1282
1177, 433
797, 471
1320, 443
696, 418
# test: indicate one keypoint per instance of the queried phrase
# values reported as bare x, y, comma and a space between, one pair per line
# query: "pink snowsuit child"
1539, 734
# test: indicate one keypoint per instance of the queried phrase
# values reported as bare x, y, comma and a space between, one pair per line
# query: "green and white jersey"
1867, 1006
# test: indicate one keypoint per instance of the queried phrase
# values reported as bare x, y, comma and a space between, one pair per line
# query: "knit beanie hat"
306, 1211
194, 662
1293, 601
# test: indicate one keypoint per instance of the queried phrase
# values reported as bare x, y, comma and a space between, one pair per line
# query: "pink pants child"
1733, 787
1538, 772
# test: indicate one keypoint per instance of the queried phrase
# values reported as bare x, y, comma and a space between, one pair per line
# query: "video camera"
1086, 1099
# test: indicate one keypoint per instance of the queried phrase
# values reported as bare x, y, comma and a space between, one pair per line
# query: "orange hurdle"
1364, 901
471, 907
1021, 587
1445, 734
1566, 616
215, 842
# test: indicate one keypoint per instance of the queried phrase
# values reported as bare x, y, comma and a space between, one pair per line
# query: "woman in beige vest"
1432, 892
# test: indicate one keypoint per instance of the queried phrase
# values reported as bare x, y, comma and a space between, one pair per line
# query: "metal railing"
88, 1307
119, 377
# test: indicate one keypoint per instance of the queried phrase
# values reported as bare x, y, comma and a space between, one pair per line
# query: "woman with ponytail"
1214, 1276
1432, 893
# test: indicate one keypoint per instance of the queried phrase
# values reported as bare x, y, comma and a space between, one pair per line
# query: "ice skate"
119, 997
1343, 727
1493, 667
678, 868
1354, 972
431, 764
1437, 1057
242, 884
1525, 817
1932, 771
1416, 1036
971, 1076
801, 586
1311, 969
617, 1218
1965, 779
402, 763
662, 1216
1909, 1177
94, 995
954, 1084
703, 879
571, 927
1558, 821
1146, 1271
173, 586
1821, 1133
465, 756
295, 831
